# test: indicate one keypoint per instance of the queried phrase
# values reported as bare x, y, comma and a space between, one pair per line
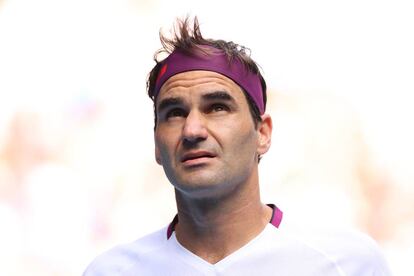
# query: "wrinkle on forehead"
204, 80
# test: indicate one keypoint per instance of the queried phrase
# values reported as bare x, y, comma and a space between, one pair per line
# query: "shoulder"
356, 253
352, 252
120, 258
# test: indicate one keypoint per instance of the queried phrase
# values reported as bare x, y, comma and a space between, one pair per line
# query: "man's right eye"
176, 112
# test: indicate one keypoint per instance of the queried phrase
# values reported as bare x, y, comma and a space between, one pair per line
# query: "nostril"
194, 137
189, 141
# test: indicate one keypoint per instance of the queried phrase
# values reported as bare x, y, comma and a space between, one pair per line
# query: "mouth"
196, 156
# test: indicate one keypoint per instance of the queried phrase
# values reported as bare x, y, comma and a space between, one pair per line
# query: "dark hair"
188, 39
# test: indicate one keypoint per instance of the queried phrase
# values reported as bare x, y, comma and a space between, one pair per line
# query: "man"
211, 130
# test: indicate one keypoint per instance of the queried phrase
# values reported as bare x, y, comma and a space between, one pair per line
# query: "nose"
194, 128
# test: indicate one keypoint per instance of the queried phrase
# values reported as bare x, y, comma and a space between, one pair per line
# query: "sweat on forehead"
215, 61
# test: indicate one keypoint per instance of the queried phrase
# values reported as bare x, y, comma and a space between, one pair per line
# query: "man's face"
205, 137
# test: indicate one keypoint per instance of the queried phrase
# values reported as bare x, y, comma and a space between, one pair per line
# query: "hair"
187, 38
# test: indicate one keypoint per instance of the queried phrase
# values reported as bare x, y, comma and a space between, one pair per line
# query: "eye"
176, 112
218, 107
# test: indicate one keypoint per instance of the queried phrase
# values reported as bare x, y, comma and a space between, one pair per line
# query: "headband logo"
162, 71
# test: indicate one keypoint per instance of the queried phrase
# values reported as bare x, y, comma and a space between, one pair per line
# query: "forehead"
199, 81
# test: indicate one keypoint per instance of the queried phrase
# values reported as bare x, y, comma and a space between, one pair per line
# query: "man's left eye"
219, 107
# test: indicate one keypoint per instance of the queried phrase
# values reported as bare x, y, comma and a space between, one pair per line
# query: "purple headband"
216, 61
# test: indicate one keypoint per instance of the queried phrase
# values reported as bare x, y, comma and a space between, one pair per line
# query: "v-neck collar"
199, 264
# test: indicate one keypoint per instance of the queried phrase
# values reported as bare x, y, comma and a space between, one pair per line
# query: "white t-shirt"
272, 252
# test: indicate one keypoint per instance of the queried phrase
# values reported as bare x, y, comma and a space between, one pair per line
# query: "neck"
213, 228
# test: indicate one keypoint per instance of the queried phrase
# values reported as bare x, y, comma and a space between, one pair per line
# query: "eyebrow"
218, 95
165, 103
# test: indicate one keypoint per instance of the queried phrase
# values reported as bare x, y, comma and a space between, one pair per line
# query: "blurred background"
77, 171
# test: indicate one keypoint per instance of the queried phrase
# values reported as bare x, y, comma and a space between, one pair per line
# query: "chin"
203, 189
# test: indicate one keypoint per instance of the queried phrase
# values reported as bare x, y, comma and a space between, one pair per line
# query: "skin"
207, 143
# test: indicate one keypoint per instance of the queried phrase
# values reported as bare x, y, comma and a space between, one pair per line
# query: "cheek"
247, 144
162, 155
161, 147
165, 147
241, 138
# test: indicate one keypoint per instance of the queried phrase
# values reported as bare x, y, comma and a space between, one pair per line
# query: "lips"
197, 155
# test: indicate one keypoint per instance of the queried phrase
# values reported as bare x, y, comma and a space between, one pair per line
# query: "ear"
264, 132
